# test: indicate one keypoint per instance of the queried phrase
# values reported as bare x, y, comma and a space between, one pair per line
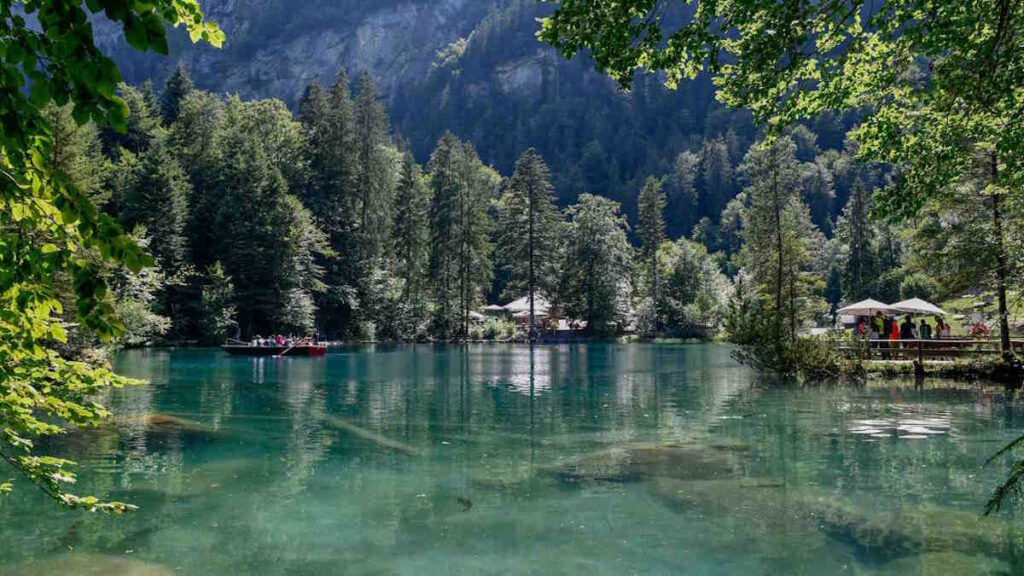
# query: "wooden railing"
941, 349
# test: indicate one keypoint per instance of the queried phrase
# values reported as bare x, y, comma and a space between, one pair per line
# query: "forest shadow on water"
603, 458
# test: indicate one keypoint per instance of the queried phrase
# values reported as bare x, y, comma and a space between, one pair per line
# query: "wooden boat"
304, 349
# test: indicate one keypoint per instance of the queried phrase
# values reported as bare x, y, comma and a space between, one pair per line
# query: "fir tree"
373, 164
776, 234
217, 309
715, 183
157, 198
143, 125
176, 87
530, 230
460, 265
859, 275
443, 216
411, 228
597, 264
651, 228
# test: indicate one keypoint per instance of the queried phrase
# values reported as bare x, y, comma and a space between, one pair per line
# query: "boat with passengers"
276, 346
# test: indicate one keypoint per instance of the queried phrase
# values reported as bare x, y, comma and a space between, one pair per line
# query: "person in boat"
280, 340
255, 340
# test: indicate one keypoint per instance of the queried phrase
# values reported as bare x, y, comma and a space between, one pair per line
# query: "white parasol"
918, 306
867, 307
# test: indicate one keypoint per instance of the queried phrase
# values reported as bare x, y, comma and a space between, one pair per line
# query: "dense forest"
263, 220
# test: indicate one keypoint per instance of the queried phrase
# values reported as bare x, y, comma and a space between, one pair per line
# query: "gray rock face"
274, 48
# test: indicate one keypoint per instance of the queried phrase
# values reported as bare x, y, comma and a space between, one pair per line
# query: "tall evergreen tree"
143, 125
859, 275
176, 87
194, 139
330, 194
597, 263
715, 182
256, 238
460, 267
476, 268
776, 236
76, 151
217, 308
651, 228
530, 229
157, 198
682, 196
373, 163
444, 183
411, 228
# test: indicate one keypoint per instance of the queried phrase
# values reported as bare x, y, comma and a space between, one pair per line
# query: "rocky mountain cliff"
274, 48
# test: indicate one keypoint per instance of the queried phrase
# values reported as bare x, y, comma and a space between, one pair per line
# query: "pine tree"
859, 275
597, 263
460, 257
143, 125
157, 199
373, 164
776, 233
176, 87
682, 196
77, 152
411, 228
217, 309
651, 228
530, 229
715, 183
194, 141
330, 194
443, 215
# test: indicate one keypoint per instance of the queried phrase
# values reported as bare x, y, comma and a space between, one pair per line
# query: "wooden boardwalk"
941, 349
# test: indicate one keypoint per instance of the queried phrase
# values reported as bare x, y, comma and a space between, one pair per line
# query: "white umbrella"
918, 306
867, 307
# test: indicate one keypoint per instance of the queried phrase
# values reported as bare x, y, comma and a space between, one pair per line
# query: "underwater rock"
636, 462
763, 505
945, 564
914, 529
163, 423
760, 503
81, 564
228, 475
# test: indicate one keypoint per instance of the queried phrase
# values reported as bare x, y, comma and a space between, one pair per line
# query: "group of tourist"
886, 327
280, 340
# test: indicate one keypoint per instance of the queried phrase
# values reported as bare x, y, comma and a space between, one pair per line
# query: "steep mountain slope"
475, 67
275, 47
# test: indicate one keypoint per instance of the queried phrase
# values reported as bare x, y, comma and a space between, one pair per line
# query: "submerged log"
360, 432
641, 461
945, 564
82, 564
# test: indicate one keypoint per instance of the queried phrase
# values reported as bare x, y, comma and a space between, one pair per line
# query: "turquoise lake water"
595, 459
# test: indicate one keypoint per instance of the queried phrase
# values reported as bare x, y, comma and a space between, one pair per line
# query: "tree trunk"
531, 336
654, 287
1001, 268
780, 265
